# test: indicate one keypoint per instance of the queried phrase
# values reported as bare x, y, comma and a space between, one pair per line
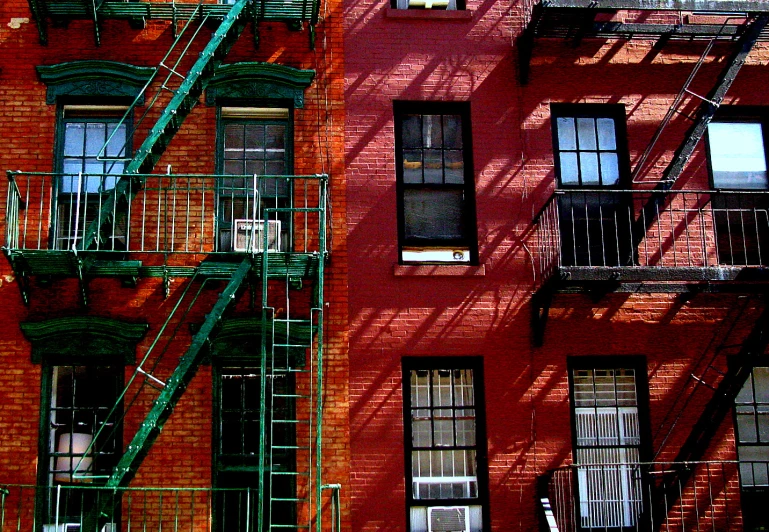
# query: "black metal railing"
703, 496
622, 228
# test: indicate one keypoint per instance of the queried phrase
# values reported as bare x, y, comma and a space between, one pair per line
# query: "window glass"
91, 149
737, 155
608, 438
253, 149
436, 217
82, 435
443, 447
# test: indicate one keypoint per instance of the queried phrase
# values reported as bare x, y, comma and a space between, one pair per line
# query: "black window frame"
637, 363
110, 111
224, 225
469, 240
428, 363
616, 112
739, 114
47, 428
240, 470
752, 497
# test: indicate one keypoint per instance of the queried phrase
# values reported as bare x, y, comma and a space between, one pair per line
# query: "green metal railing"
178, 213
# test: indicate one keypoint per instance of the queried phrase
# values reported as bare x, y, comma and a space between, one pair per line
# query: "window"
254, 142
608, 434
80, 442
591, 164
89, 170
752, 428
428, 4
736, 147
237, 456
435, 182
445, 441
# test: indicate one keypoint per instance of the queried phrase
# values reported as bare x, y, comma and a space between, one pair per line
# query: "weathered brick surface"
182, 454
392, 316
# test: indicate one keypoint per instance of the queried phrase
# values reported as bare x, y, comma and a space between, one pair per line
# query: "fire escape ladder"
716, 410
184, 98
707, 109
174, 387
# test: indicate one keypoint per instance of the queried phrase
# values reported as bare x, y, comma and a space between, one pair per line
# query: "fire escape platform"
268, 10
660, 279
574, 20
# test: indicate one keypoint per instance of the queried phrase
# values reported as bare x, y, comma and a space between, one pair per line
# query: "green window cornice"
84, 337
240, 340
254, 80
93, 78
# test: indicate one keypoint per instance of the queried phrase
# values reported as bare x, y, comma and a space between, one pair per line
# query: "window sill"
428, 14
438, 270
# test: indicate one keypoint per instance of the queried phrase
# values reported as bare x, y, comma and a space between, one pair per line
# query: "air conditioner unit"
448, 519
429, 4
249, 235
63, 527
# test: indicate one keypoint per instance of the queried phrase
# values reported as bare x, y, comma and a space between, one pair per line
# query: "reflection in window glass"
737, 155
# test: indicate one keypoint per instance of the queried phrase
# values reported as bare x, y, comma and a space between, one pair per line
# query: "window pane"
452, 132
233, 137
569, 168
737, 155
411, 131
433, 166
412, 166
606, 134
586, 133
95, 137
455, 167
761, 384
433, 214
74, 139
432, 131
609, 169
588, 163
116, 146
746, 392
567, 135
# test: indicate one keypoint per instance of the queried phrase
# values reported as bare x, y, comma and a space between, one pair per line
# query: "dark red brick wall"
397, 312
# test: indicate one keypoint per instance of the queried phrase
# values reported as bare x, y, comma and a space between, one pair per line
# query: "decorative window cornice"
240, 339
83, 338
256, 81
93, 78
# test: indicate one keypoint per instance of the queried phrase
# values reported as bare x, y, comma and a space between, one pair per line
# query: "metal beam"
732, 6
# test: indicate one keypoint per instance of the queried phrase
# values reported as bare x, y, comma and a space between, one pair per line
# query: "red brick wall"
182, 454
395, 314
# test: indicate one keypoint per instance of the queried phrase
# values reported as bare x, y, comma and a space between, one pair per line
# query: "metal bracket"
540, 311
166, 282
80, 268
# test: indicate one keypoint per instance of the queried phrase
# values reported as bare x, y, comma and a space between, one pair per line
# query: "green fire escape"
285, 341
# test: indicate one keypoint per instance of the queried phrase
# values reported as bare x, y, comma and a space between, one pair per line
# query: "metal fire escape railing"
185, 96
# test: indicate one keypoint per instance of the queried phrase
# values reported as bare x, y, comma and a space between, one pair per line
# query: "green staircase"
184, 98
175, 386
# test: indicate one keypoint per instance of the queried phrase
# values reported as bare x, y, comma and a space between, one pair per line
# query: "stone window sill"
438, 270
429, 14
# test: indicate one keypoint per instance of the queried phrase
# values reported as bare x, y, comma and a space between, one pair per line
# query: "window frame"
217, 467
469, 241
109, 112
219, 157
739, 114
617, 112
458, 5
639, 365
45, 431
474, 363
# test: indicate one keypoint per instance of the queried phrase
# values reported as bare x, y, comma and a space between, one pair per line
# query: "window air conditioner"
429, 4
448, 519
249, 235
75, 527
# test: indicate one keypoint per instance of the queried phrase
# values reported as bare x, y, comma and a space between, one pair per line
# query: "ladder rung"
290, 421
292, 447
292, 473
289, 499
291, 395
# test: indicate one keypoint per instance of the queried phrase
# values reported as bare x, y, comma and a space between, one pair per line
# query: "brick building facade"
151, 276
546, 320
